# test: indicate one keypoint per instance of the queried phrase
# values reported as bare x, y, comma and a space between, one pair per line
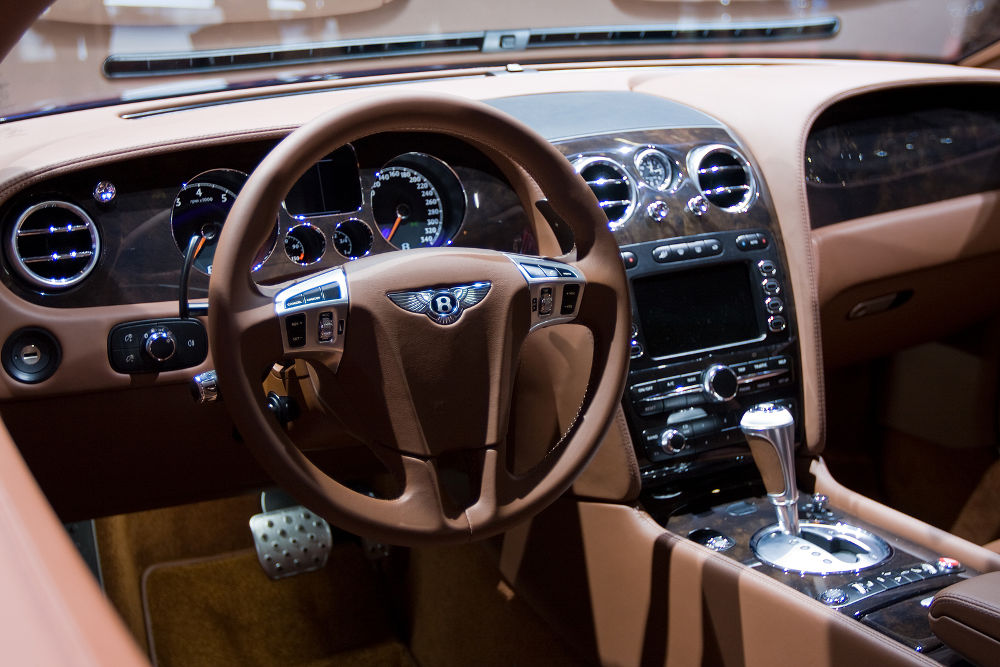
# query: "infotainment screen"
697, 309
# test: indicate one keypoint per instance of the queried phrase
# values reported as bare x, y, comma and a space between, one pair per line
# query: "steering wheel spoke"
556, 289
313, 316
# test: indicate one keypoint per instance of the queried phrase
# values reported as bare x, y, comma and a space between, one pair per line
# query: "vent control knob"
161, 344
720, 383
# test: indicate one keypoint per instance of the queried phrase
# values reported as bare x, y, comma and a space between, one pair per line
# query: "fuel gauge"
304, 244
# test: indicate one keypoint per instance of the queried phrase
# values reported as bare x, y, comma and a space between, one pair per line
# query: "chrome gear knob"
770, 432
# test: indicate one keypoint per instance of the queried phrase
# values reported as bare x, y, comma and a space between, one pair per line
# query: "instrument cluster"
337, 211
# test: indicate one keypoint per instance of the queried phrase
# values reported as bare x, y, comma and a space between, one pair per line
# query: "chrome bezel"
362, 223
20, 266
671, 169
694, 160
582, 163
313, 227
443, 189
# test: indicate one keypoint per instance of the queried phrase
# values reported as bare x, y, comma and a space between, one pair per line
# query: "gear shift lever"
770, 431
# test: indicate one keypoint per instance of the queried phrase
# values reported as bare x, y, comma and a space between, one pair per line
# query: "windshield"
88, 52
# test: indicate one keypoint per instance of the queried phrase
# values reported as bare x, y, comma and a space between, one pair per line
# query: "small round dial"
200, 209
304, 244
654, 168
417, 202
352, 239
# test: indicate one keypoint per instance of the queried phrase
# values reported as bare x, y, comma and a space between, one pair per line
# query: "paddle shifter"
770, 431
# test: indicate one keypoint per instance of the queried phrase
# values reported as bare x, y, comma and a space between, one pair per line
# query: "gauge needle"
395, 226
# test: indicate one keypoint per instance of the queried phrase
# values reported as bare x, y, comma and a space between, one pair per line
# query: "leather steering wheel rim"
246, 334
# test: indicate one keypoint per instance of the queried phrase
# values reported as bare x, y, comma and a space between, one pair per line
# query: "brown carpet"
464, 614
130, 543
224, 611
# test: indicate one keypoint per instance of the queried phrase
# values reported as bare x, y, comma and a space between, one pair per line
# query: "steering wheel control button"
570, 295
31, 355
326, 327
295, 329
154, 346
545, 301
160, 344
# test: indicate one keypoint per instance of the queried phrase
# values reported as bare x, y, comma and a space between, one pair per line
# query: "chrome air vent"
53, 245
723, 176
612, 186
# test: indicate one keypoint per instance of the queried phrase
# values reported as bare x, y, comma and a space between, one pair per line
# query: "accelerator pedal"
290, 540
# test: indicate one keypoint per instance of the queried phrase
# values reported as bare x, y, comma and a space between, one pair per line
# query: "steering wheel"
423, 344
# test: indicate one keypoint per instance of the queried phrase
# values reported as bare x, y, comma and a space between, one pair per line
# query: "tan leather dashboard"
767, 105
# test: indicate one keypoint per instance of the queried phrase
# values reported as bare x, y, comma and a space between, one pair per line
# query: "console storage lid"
966, 617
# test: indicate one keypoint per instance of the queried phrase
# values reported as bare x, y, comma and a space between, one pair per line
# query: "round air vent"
53, 245
612, 186
723, 176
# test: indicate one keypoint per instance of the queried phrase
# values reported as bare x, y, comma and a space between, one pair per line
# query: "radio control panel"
713, 333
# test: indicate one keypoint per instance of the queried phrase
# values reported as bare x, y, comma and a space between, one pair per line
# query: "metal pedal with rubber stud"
291, 540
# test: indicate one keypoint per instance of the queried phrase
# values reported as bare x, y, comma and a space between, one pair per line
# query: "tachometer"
417, 202
200, 209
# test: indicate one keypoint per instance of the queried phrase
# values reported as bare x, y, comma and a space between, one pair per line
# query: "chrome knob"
161, 344
205, 387
720, 383
770, 432
672, 441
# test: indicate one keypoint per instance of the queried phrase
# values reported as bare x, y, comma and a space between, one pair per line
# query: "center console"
714, 389
713, 334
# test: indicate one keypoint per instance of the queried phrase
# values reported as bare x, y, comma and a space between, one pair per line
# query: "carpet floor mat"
224, 610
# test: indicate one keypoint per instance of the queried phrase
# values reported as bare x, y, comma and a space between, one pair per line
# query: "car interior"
646, 344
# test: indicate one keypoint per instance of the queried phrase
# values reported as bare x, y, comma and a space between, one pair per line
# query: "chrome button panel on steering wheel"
313, 314
556, 289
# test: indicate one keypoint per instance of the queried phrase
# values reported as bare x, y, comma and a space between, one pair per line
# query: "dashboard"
718, 195
676, 169
118, 234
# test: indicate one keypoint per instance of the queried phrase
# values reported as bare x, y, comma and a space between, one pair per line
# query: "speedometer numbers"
417, 202
200, 209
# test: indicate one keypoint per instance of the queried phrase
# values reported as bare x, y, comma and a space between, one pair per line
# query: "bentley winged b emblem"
443, 305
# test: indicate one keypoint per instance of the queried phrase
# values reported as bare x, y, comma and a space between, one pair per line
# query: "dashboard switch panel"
154, 346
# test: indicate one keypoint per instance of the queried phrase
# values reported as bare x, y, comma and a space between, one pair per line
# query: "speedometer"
417, 202
407, 208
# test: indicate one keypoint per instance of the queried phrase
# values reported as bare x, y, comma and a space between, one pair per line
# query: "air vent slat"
724, 177
51, 230
53, 245
611, 185
56, 257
